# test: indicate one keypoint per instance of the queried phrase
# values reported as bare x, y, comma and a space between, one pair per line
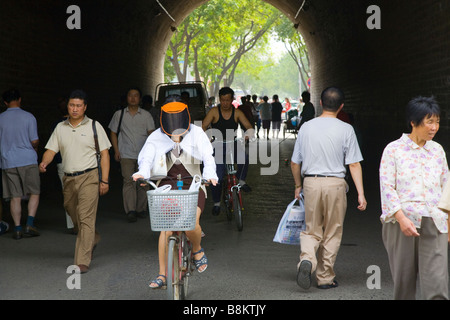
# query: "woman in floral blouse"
413, 172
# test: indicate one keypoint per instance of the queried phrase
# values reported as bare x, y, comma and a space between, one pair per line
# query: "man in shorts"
20, 173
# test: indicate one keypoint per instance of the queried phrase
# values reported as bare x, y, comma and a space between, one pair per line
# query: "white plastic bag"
292, 223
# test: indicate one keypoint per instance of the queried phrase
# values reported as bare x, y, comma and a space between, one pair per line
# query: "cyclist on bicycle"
178, 148
225, 118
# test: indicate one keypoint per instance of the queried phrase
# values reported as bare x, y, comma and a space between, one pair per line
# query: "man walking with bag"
75, 139
324, 146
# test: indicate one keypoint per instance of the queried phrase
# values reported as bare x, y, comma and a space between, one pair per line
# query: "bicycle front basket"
175, 210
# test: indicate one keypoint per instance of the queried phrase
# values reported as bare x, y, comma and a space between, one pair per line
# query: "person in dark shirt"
277, 109
308, 112
224, 120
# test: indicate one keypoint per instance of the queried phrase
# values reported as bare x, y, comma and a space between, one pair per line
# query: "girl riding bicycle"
176, 150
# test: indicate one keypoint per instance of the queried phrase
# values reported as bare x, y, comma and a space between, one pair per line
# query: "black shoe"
142, 214
17, 235
131, 216
304, 274
246, 188
31, 231
215, 210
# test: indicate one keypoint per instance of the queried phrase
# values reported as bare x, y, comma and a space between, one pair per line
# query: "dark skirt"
179, 169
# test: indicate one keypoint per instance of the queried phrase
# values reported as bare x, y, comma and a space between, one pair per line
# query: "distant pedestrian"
18, 147
308, 112
265, 113
413, 172
277, 110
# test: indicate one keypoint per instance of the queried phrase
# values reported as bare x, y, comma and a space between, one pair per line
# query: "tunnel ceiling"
123, 43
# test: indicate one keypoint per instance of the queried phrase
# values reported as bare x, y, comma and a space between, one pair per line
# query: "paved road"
244, 265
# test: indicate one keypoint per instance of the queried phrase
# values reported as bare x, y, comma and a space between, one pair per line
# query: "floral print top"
412, 179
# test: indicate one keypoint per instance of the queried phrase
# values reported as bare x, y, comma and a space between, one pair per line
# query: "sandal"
203, 261
160, 284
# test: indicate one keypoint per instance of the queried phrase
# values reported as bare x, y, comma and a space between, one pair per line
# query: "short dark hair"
226, 90
332, 98
11, 95
78, 94
306, 96
421, 108
135, 88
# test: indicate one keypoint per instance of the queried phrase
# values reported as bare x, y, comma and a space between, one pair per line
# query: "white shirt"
133, 131
195, 143
325, 146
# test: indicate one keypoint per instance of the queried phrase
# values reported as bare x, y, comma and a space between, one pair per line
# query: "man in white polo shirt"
74, 138
324, 147
130, 128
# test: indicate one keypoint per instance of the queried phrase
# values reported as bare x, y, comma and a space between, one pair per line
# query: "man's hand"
362, 203
103, 188
43, 167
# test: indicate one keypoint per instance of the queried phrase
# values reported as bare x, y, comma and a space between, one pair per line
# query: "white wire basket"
175, 210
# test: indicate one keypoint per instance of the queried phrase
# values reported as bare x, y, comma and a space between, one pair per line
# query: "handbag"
97, 150
292, 223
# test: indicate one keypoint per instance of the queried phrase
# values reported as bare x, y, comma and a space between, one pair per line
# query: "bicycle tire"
186, 248
237, 208
173, 271
227, 201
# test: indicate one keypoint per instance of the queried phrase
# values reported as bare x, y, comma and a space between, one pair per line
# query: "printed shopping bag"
292, 223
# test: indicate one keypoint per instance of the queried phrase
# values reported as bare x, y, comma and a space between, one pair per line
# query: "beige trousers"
423, 258
81, 194
325, 208
134, 196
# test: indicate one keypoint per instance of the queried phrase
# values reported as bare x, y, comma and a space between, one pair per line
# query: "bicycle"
232, 195
175, 211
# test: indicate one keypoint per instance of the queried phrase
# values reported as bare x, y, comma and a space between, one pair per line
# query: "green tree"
295, 46
216, 36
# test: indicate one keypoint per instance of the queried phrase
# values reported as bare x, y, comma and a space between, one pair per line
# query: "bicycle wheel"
173, 270
186, 267
237, 209
227, 200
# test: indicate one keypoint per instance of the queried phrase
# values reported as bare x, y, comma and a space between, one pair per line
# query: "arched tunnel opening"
122, 43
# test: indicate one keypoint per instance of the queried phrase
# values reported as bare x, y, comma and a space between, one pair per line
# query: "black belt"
317, 176
79, 173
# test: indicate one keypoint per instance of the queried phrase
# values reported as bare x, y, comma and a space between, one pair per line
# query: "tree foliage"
295, 46
213, 40
218, 36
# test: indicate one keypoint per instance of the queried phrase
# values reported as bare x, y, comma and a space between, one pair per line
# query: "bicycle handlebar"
142, 181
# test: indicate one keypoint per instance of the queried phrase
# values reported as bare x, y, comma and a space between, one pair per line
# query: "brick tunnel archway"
122, 43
